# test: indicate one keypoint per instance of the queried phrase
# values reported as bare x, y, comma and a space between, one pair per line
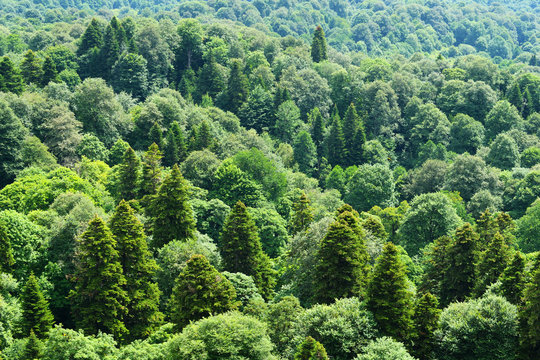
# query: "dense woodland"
269, 180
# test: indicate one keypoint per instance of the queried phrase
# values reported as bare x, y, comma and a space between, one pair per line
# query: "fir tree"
491, 264
389, 297
242, 251
305, 153
6, 253
317, 131
12, 80
513, 279
204, 139
302, 215
237, 87
425, 322
171, 156
33, 349
12, 134
155, 135
49, 72
31, 68
187, 84
336, 143
211, 81
351, 123
515, 97
92, 38
529, 316
436, 265
151, 171
99, 299
310, 349
459, 276
180, 141
200, 291
36, 316
129, 175
110, 51
528, 103
318, 46
139, 268
171, 211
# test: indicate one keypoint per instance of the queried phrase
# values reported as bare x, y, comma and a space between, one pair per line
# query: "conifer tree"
36, 316
129, 175
336, 143
171, 155
318, 46
171, 211
92, 38
351, 123
6, 253
459, 275
237, 87
425, 322
33, 349
310, 349
180, 141
12, 134
151, 171
529, 316
528, 103
139, 268
513, 279
492, 263
12, 80
204, 139
188, 83
317, 131
31, 68
210, 81
436, 265
305, 153
110, 51
389, 297
242, 251
155, 135
302, 214
99, 299
49, 72
200, 291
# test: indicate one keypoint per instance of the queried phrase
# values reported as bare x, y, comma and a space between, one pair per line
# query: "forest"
269, 180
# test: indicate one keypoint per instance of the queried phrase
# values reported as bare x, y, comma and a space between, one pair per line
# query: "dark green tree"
529, 316
31, 68
318, 46
155, 135
204, 138
188, 84
317, 131
139, 268
302, 215
180, 141
170, 150
388, 294
351, 125
231, 184
189, 51
171, 212
11, 78
211, 80
492, 263
513, 279
335, 142
92, 38
151, 171
305, 153
6, 253
33, 350
436, 262
36, 316
310, 349
237, 91
12, 134
425, 321
242, 252
200, 291
130, 74
99, 299
129, 175
109, 52
49, 72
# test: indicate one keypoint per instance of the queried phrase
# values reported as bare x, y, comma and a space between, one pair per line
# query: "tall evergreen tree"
529, 316
335, 142
171, 212
200, 291
155, 135
12, 80
317, 131
351, 123
92, 38
242, 251
237, 90
492, 263
389, 297
12, 134
129, 175
188, 84
139, 268
171, 155
6, 253
36, 316
305, 153
31, 68
110, 52
151, 171
204, 139
436, 265
318, 46
33, 350
425, 322
180, 141
310, 349
513, 279
302, 214
99, 299
49, 72
211, 80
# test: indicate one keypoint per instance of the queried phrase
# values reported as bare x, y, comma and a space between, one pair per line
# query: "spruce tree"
200, 291
99, 300
139, 268
92, 38
187, 84
36, 316
204, 139
459, 276
389, 297
49, 72
210, 81
515, 97
155, 135
129, 175
513, 279
241, 250
492, 263
31, 68
180, 141
425, 322
302, 215
317, 131
237, 90
318, 46
12, 134
6, 254
310, 349
336, 143
110, 52
33, 349
437, 262
529, 316
171, 155
305, 153
351, 123
12, 80
151, 171
171, 212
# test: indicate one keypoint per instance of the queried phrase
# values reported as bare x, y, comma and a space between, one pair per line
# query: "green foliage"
200, 290
513, 279
11, 79
6, 253
318, 46
232, 184
31, 69
425, 323
305, 152
311, 349
129, 174
36, 316
384, 348
528, 228
503, 153
33, 348
49, 72
91, 147
130, 74
491, 263
68, 344
272, 230
371, 185
151, 176
237, 90
529, 318
12, 134
302, 214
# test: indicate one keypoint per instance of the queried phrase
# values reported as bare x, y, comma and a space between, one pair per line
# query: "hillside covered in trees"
264, 180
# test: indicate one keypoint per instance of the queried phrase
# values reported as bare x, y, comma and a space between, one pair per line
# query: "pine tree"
6, 254
139, 268
302, 215
155, 135
151, 171
171, 156
336, 143
529, 316
12, 80
31, 68
389, 297
318, 46
237, 87
492, 263
317, 131
459, 276
310, 349
171, 211
425, 322
129, 175
242, 251
92, 38
33, 349
110, 52
36, 316
200, 291
49, 72
513, 279
99, 299
180, 141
